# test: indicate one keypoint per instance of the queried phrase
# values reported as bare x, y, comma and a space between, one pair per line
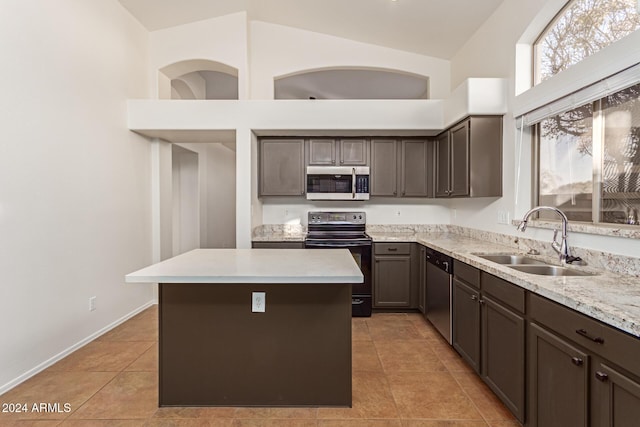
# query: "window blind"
600, 89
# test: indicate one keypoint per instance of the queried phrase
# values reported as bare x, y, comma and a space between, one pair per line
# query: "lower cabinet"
559, 378
396, 277
616, 398
503, 354
465, 312
489, 332
422, 281
581, 372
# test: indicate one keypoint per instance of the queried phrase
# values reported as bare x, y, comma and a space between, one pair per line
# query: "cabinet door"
383, 167
322, 152
460, 160
392, 281
417, 175
422, 282
353, 152
616, 398
466, 323
485, 156
559, 377
442, 165
282, 167
503, 347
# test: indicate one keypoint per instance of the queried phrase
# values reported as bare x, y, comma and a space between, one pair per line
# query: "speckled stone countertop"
610, 297
279, 233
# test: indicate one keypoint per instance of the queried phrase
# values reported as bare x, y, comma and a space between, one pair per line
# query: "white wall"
217, 195
75, 184
186, 199
492, 51
378, 210
221, 197
222, 39
278, 51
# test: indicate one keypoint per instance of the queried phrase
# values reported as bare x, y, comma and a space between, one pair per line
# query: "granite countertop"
253, 266
279, 233
609, 297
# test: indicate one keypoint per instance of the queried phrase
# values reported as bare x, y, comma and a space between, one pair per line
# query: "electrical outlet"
92, 304
258, 302
503, 217
397, 213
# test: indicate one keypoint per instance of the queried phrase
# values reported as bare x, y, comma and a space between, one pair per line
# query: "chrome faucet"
561, 248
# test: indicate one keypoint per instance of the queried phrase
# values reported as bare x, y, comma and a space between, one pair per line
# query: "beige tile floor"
404, 374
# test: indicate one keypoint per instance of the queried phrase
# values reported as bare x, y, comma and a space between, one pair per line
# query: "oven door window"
329, 183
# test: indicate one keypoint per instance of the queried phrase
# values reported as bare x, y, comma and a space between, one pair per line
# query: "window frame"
598, 148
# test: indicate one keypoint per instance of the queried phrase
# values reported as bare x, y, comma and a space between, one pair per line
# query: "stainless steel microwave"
337, 183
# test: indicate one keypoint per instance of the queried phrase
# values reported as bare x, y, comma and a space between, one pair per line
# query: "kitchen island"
254, 327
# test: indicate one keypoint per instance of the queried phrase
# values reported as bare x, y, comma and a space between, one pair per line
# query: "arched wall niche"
180, 80
351, 83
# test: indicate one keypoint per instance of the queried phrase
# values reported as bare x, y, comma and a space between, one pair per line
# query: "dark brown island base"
243, 327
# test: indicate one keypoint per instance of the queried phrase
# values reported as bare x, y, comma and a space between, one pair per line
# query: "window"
589, 160
582, 28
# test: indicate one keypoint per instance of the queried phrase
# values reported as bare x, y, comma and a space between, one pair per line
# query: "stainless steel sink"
511, 259
549, 270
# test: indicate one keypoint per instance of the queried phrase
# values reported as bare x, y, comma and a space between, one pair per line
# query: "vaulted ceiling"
437, 28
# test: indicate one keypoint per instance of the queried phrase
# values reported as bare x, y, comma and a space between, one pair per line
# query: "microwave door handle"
353, 183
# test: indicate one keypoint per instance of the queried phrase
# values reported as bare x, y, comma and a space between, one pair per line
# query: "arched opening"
198, 79
352, 83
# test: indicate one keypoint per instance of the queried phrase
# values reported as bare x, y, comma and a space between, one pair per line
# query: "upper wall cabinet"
281, 167
416, 168
468, 159
338, 152
402, 168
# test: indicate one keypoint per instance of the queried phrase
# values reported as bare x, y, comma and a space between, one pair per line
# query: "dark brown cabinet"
582, 372
468, 159
466, 322
416, 168
422, 279
281, 168
559, 381
392, 275
384, 161
503, 359
616, 398
489, 332
338, 152
402, 168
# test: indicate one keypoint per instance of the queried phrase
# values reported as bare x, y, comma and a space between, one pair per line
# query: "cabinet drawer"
469, 274
610, 343
504, 291
392, 248
566, 322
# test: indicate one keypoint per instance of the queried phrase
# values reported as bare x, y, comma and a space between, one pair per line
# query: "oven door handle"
336, 245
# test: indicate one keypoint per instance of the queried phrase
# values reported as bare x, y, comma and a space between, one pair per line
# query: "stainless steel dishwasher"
438, 292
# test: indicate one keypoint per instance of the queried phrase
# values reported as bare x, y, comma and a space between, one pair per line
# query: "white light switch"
258, 301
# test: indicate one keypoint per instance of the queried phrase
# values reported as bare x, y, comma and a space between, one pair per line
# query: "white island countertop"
253, 266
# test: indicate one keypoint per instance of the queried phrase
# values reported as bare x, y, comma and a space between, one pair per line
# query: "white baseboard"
44, 365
